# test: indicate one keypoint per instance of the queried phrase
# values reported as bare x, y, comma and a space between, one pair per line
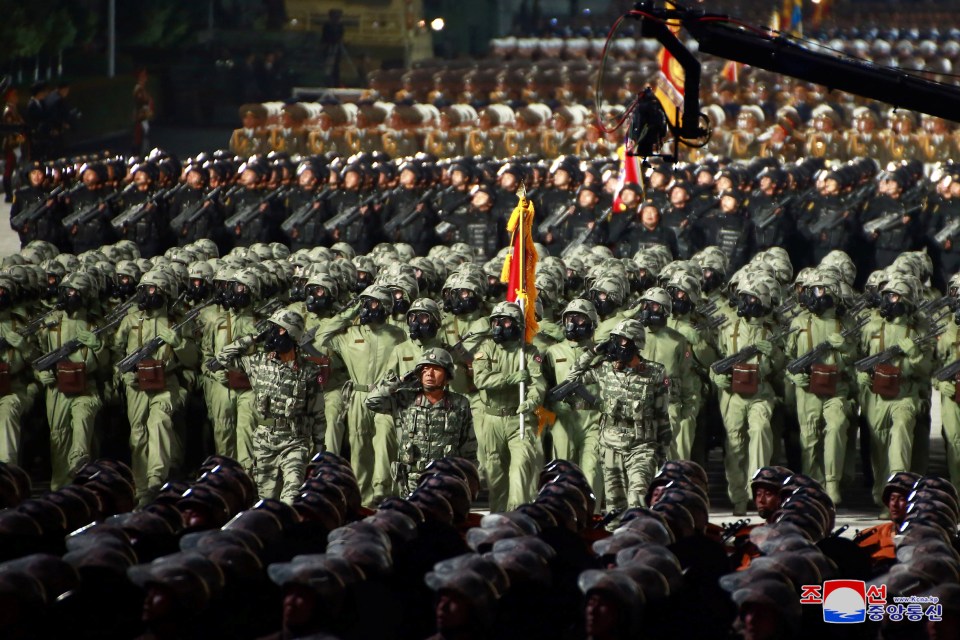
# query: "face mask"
371, 315
363, 281
69, 303
51, 292
711, 281
495, 288
149, 302
126, 289
422, 331
401, 305
298, 292
682, 306
890, 310
278, 342
448, 301
462, 306
874, 298
749, 309
653, 319
502, 334
577, 332
819, 305
197, 293
605, 306
624, 353
317, 303
240, 300
573, 285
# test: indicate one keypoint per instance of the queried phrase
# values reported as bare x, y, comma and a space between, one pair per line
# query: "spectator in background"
332, 40
142, 114
38, 121
12, 142
63, 118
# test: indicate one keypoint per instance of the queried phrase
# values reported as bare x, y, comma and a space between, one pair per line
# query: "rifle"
932, 305
214, 365
712, 322
30, 328
459, 349
187, 217
462, 201
708, 309
349, 216
802, 364
607, 519
402, 220
948, 372
695, 215
555, 220
569, 387
584, 235
789, 305
31, 214
50, 360
249, 213
889, 221
85, 215
129, 363
725, 365
765, 217
833, 218
305, 212
731, 529
869, 363
134, 214
948, 232
268, 307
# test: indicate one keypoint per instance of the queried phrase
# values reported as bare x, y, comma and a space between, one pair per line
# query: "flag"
629, 174
821, 10
774, 21
670, 78
731, 71
792, 17
520, 267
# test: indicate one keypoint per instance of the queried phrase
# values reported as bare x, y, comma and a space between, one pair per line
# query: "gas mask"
819, 301
712, 280
504, 329
364, 280
240, 297
495, 288
317, 300
873, 297
464, 302
421, 326
604, 303
681, 305
573, 284
892, 306
447, 297
197, 290
69, 303
126, 287
278, 342
372, 312
298, 292
577, 327
147, 301
653, 315
623, 353
749, 306
53, 288
400, 302
6, 300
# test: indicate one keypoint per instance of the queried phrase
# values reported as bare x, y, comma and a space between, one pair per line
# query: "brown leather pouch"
823, 380
237, 380
745, 379
324, 363
6, 382
151, 376
886, 381
71, 377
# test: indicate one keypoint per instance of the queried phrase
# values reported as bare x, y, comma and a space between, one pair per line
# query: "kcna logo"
844, 601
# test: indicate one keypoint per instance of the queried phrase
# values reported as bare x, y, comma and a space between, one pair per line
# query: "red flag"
629, 174
520, 267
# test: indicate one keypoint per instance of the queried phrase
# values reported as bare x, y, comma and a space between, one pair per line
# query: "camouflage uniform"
288, 408
634, 422
427, 431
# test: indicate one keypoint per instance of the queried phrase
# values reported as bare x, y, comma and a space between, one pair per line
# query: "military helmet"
660, 296
159, 279
902, 482
584, 306
631, 330
207, 247
426, 305
250, 279
78, 280
825, 278
771, 476
289, 320
508, 310
325, 280
843, 262
379, 293
903, 287
437, 358
687, 283
755, 287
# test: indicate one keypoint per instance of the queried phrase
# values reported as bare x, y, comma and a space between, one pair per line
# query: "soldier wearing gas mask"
576, 433
509, 459
365, 349
14, 362
891, 391
608, 295
288, 403
746, 396
948, 352
823, 390
227, 391
634, 423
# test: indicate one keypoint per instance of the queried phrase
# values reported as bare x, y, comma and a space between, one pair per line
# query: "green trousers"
950, 415
749, 441
71, 419
627, 474
824, 429
12, 407
510, 462
152, 436
892, 424
576, 437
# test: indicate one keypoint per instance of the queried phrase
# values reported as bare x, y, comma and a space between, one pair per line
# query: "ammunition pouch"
151, 375
886, 381
745, 379
71, 378
823, 380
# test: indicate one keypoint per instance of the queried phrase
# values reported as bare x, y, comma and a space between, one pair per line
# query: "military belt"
500, 413
280, 423
366, 388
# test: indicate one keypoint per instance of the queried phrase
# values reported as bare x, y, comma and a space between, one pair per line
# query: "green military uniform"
892, 419
576, 432
634, 423
14, 397
747, 416
509, 459
427, 431
72, 411
154, 443
288, 407
823, 414
365, 350
948, 352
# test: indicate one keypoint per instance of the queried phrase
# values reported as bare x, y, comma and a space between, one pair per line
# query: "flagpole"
522, 299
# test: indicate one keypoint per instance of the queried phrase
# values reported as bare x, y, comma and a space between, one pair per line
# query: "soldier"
826, 221
501, 364
409, 197
433, 422
288, 404
683, 214
879, 541
769, 211
477, 226
864, 140
891, 391
149, 233
566, 133
888, 244
455, 198
352, 193
153, 390
95, 193
825, 141
634, 422
645, 230
367, 135
33, 193
72, 399
197, 198
14, 399
400, 140
228, 392
252, 138
746, 396
291, 136
731, 230
948, 352
823, 391
447, 141
745, 139
576, 432
365, 349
